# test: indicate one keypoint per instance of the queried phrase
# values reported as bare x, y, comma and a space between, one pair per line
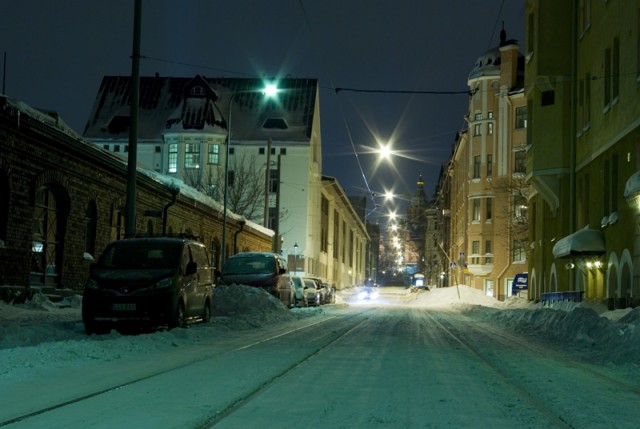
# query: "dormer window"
197, 91
275, 123
119, 124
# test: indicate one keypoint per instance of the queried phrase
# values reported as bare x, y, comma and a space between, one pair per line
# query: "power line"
400, 91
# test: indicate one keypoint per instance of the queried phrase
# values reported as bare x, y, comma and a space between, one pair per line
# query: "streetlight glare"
270, 90
385, 151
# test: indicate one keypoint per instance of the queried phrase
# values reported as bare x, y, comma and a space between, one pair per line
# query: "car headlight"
91, 284
163, 283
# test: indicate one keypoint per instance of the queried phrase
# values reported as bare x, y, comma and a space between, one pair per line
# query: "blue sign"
520, 283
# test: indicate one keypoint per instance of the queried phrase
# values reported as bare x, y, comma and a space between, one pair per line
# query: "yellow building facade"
487, 172
582, 87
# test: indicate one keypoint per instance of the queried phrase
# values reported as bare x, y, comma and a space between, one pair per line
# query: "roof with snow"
178, 104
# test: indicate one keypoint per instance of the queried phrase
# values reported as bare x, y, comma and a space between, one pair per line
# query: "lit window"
214, 154
192, 156
173, 157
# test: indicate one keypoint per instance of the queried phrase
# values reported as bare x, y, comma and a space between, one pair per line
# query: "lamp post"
295, 258
269, 90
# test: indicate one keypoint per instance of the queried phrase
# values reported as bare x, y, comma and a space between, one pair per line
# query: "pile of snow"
585, 329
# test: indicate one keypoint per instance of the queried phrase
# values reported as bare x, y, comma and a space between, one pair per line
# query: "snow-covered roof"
167, 102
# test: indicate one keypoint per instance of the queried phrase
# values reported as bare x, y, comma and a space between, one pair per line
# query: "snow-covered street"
445, 358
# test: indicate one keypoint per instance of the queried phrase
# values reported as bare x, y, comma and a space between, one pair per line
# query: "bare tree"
512, 194
246, 185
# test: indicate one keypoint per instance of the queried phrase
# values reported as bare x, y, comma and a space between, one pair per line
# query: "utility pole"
132, 160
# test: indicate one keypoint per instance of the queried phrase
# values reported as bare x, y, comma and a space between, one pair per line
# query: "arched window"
90, 227
47, 232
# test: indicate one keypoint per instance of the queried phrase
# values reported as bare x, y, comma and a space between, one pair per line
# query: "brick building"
63, 200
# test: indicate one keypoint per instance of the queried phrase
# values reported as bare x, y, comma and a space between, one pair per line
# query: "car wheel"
206, 312
179, 317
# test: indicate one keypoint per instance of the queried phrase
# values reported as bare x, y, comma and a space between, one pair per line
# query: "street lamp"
270, 90
295, 257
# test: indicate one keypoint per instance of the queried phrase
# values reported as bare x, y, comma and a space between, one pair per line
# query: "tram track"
329, 337
525, 374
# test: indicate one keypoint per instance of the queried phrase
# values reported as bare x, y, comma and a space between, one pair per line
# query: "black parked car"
151, 281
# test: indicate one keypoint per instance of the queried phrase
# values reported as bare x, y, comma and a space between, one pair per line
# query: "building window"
489, 128
488, 207
607, 77
476, 167
192, 155
283, 151
477, 117
520, 208
173, 157
475, 252
213, 157
476, 210
232, 151
273, 180
521, 117
261, 151
477, 129
105, 146
490, 115
46, 242
231, 178
518, 251
548, 98
520, 164
116, 148
489, 165
488, 251
615, 90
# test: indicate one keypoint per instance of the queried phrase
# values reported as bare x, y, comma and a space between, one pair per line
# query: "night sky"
58, 51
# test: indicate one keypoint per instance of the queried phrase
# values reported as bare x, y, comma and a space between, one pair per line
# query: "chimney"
509, 52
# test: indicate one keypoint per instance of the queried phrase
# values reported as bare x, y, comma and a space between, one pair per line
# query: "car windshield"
249, 265
140, 256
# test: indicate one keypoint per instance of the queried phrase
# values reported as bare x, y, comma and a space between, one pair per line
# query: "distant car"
148, 281
313, 292
330, 293
368, 294
265, 270
300, 293
323, 291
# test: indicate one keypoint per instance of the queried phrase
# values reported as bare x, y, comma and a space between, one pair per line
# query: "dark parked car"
260, 269
148, 281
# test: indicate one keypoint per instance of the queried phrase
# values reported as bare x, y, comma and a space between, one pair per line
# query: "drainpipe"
174, 198
242, 223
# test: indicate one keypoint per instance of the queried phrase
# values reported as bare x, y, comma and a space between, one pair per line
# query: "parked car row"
311, 291
269, 271
169, 281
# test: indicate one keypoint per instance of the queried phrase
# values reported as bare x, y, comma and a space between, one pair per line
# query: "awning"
583, 243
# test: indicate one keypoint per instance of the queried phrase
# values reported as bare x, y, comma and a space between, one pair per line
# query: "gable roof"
197, 103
